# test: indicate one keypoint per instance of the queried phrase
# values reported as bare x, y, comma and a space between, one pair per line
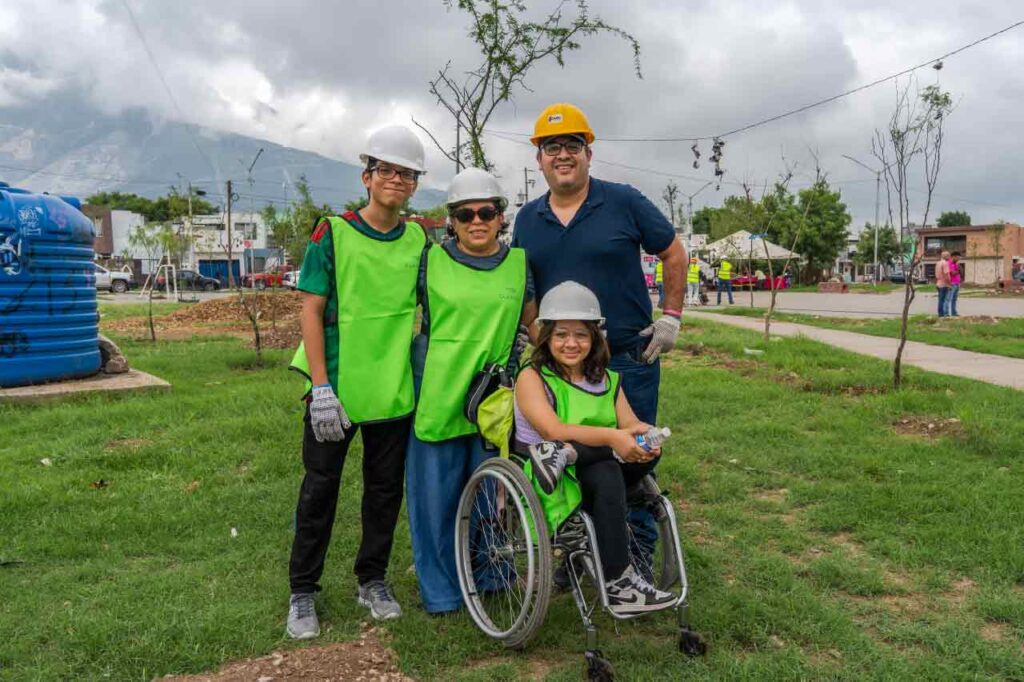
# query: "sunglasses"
467, 215
554, 148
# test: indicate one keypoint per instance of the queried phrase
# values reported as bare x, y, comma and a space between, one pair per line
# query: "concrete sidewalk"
995, 369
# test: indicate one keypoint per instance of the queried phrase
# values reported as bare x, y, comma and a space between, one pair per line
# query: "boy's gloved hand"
327, 416
663, 332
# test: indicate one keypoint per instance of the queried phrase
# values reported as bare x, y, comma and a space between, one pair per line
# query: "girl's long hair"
594, 365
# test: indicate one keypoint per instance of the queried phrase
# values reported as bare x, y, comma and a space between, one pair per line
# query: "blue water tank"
48, 323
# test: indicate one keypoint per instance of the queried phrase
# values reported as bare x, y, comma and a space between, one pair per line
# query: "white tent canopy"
744, 245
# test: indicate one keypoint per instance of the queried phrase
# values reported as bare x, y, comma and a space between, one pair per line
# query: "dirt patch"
365, 659
775, 496
994, 632
928, 427
286, 305
287, 335
127, 444
537, 668
960, 590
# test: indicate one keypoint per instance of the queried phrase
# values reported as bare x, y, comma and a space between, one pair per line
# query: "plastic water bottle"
653, 438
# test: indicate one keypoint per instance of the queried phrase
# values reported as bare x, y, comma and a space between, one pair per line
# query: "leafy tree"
162, 209
439, 212
510, 45
702, 220
822, 234
888, 246
953, 219
356, 204
292, 226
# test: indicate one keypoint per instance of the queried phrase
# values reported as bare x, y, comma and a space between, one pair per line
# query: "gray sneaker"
377, 596
302, 620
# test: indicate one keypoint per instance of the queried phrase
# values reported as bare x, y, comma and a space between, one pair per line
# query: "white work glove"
663, 332
327, 416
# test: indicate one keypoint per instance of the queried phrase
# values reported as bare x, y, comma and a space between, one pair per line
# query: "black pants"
603, 481
384, 446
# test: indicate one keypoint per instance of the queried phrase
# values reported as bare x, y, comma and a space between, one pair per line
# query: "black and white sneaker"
630, 593
549, 461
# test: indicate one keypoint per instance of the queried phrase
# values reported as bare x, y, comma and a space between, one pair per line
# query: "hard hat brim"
394, 160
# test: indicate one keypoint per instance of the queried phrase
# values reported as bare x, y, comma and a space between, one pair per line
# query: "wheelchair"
505, 553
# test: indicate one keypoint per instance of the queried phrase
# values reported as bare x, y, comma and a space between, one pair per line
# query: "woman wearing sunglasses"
475, 292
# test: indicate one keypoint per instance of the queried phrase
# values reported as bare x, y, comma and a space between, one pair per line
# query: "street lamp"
689, 207
878, 187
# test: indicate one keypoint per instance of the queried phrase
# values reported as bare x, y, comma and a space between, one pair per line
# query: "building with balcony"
989, 254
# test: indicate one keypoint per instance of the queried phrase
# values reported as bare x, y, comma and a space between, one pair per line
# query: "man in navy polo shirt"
591, 231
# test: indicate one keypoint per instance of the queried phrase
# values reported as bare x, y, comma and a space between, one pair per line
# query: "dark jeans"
943, 294
640, 383
603, 482
954, 293
661, 294
384, 446
727, 285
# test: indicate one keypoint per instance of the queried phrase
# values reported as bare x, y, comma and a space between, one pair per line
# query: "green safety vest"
725, 270
376, 285
474, 315
659, 276
573, 405
693, 274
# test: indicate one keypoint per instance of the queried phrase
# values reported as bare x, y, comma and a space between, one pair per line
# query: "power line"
167, 88
806, 107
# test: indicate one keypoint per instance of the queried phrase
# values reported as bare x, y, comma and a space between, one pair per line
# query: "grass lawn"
831, 533
1002, 337
119, 311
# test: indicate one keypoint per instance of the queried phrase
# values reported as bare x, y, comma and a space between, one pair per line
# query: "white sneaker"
630, 593
549, 461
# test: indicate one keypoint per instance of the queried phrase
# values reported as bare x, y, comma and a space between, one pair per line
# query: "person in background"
954, 283
693, 282
659, 281
724, 279
942, 283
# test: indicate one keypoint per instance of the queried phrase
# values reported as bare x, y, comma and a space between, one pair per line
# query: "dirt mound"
287, 335
928, 427
286, 305
365, 659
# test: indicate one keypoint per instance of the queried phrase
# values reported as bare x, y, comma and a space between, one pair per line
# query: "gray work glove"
518, 346
327, 416
663, 332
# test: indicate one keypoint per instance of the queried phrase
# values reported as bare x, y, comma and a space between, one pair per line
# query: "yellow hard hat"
561, 119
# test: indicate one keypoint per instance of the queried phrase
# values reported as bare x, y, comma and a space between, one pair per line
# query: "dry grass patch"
995, 632
127, 444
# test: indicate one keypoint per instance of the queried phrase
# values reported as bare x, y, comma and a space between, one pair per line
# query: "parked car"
290, 279
115, 281
262, 280
1019, 276
896, 277
190, 279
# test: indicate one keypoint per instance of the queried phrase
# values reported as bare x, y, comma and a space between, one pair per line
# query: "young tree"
292, 226
953, 219
912, 142
510, 45
156, 240
671, 195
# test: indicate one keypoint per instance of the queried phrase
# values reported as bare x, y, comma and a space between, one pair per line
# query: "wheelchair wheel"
503, 553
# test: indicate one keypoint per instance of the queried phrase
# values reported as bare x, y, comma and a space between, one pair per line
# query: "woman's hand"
625, 446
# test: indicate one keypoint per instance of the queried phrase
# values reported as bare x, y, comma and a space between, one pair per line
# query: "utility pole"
689, 207
527, 183
231, 276
878, 189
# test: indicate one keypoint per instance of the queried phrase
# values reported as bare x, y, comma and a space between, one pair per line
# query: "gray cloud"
320, 75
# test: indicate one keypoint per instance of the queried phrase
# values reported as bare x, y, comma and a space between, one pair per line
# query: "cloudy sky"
321, 75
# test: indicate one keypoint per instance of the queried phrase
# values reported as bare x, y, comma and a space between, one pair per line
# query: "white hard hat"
397, 145
475, 184
570, 301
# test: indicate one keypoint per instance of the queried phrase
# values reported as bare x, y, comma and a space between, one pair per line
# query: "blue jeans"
661, 294
435, 474
943, 299
640, 383
727, 285
954, 293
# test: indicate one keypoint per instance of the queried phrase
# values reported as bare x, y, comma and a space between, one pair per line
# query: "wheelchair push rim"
503, 553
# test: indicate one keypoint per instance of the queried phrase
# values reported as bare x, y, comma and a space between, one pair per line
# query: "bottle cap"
666, 432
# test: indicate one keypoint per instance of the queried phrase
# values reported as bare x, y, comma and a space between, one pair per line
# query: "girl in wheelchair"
571, 418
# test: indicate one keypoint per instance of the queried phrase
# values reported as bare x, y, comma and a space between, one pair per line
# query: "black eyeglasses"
554, 148
387, 172
466, 215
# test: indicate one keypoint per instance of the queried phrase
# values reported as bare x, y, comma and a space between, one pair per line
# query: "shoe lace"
380, 591
304, 607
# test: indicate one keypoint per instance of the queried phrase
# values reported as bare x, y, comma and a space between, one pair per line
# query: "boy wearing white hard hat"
357, 362
476, 294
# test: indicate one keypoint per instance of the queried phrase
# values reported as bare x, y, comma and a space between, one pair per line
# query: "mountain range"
62, 147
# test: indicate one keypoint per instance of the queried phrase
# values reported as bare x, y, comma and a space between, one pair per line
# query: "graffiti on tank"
10, 256
12, 343
29, 220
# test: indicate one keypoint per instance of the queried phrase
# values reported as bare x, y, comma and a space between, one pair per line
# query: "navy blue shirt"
600, 249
